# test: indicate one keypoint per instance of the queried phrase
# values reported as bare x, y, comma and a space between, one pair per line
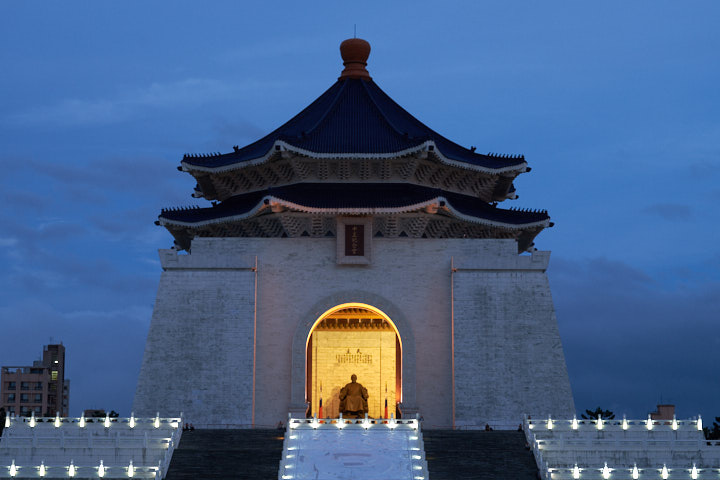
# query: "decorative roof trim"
268, 199
542, 223
423, 147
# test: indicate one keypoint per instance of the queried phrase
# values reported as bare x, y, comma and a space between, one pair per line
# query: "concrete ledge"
539, 261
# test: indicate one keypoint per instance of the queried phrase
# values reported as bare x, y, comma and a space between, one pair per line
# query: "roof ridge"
383, 115
332, 106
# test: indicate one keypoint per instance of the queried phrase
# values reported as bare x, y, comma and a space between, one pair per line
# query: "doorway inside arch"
354, 339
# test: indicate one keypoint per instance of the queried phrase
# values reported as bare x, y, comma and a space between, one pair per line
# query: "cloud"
190, 92
626, 334
670, 211
8, 242
104, 348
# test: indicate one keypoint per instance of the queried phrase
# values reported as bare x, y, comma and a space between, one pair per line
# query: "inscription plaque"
354, 240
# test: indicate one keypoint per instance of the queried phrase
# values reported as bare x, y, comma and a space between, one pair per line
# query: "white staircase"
338, 449
56, 447
622, 449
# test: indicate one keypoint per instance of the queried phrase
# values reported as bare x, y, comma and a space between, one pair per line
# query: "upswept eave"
428, 146
248, 206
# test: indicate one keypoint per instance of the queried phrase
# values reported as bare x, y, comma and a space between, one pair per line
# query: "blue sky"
614, 104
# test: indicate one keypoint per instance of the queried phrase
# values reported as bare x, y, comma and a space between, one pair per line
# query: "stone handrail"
626, 436
129, 433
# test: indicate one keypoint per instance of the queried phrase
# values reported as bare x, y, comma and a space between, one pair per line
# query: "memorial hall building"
353, 239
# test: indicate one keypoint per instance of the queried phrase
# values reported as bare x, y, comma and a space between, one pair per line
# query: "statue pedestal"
408, 411
299, 410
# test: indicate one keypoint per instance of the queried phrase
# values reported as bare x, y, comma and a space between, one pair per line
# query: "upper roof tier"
310, 209
354, 119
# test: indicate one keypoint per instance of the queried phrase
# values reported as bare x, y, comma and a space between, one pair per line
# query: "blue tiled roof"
354, 116
354, 196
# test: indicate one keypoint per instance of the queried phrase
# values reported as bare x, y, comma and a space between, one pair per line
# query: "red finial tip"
355, 52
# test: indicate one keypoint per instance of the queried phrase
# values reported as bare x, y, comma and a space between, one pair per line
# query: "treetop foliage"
594, 414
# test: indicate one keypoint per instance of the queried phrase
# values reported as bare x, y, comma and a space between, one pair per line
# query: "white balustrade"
390, 448
82, 447
622, 449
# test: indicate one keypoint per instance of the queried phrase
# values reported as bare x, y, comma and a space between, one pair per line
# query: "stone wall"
508, 355
199, 353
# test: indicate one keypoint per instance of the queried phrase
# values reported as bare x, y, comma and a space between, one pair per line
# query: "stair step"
227, 454
454, 454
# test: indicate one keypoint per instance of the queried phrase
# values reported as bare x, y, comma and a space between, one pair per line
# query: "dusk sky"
615, 105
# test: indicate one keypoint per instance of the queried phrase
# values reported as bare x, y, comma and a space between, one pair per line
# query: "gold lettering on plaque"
354, 240
357, 357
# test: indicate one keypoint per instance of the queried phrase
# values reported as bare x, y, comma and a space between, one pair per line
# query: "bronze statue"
353, 399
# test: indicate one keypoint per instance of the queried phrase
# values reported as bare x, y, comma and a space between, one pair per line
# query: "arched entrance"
353, 338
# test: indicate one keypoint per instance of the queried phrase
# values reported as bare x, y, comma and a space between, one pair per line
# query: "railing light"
7, 421
606, 472
107, 420
57, 419
32, 420
13, 469
649, 423
549, 423
157, 420
674, 424
576, 472
101, 469
624, 423
699, 423
131, 470
664, 472
42, 468
574, 424
694, 472
635, 472
71, 469
131, 423
82, 421
599, 422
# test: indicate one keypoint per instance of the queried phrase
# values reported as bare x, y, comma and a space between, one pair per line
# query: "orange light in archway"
362, 306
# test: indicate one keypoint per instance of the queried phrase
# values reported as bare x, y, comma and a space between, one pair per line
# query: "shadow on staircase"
477, 454
227, 454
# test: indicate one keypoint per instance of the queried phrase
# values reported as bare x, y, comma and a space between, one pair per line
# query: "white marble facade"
227, 341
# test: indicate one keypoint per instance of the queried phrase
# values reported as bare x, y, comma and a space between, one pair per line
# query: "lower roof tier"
397, 210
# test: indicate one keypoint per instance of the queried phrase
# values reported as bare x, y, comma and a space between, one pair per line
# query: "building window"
11, 410
38, 411
25, 411
11, 385
38, 398
11, 398
24, 398
24, 385
53, 375
38, 385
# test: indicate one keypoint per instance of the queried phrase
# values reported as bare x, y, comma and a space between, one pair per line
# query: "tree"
714, 432
594, 414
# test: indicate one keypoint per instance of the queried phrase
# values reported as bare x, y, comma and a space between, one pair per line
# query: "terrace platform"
55, 447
